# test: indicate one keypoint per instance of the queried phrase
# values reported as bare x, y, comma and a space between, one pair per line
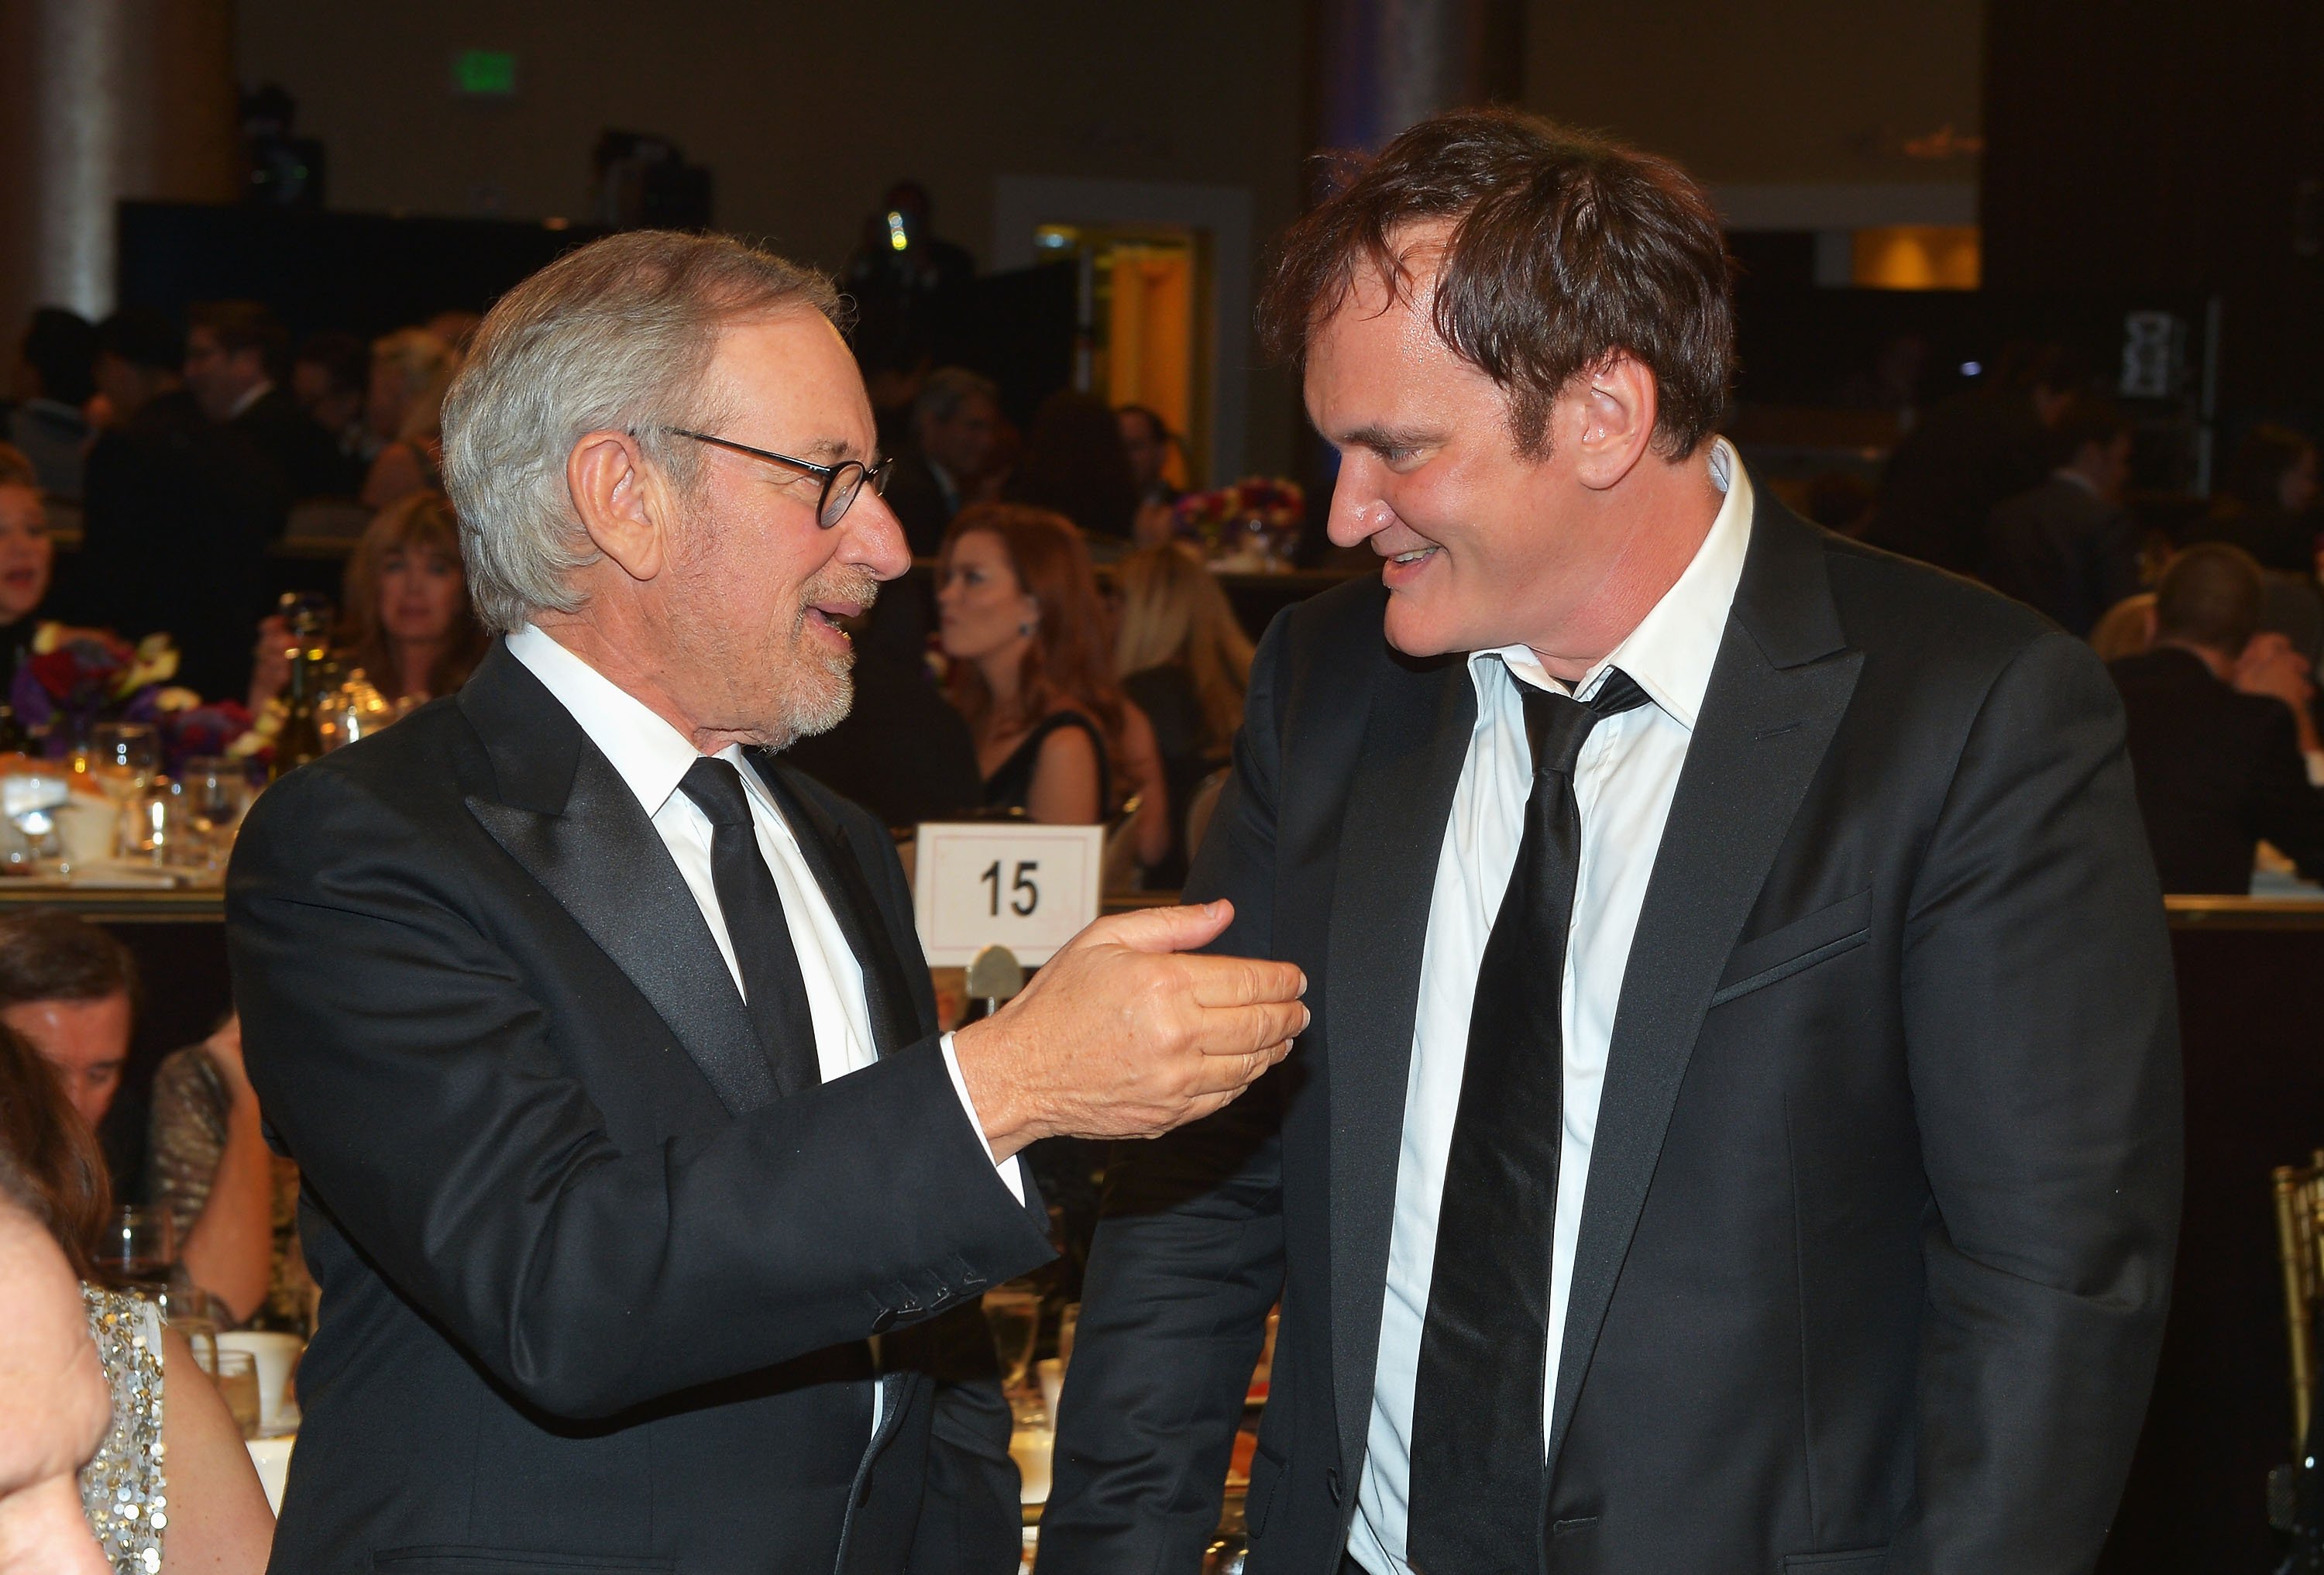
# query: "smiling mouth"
1415, 556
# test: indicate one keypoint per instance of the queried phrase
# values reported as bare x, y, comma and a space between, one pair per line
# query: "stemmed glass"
122, 757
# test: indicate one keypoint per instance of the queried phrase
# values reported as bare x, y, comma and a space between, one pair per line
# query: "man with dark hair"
71, 990
955, 420
2218, 770
2067, 548
1147, 439
52, 384
236, 353
177, 515
1739, 1125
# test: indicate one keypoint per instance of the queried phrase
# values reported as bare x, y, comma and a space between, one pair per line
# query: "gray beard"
826, 710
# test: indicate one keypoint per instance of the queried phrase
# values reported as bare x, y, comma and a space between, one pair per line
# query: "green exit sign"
484, 73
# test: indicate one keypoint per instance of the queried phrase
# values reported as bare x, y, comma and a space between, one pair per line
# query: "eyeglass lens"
839, 490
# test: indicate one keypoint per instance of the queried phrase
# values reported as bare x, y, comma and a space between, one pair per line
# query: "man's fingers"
1241, 981
1161, 929
1240, 1030
1218, 1073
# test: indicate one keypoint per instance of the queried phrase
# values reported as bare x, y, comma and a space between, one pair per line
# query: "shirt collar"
649, 754
1671, 652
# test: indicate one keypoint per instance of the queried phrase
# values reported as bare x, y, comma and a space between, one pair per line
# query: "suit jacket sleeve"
2043, 1050
1189, 1257
418, 1082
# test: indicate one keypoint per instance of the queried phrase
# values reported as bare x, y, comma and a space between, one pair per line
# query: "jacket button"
1332, 1484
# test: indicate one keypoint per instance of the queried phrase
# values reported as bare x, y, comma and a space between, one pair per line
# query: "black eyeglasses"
841, 481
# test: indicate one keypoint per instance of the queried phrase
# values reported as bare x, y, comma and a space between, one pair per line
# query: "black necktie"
761, 939
1479, 1481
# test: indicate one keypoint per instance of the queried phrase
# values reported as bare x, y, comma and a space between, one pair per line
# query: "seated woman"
404, 408
172, 1445
405, 618
27, 556
1185, 662
1018, 615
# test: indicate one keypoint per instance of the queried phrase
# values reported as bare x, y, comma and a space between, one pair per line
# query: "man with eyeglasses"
650, 1208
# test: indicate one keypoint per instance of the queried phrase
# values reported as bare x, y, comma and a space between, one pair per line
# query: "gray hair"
947, 389
616, 335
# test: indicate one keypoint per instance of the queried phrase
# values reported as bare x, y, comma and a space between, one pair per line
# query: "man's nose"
875, 536
1357, 512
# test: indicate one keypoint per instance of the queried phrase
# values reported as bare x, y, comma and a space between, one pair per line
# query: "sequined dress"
121, 1490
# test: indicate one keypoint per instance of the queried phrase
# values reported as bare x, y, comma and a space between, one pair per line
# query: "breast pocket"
1796, 947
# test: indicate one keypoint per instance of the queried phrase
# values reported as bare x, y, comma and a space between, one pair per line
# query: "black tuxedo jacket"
593, 1297
2217, 771
1883, 1197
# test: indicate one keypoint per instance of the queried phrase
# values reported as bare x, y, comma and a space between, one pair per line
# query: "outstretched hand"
1122, 1033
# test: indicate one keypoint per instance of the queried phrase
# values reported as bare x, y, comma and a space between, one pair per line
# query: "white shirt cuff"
1007, 1167
2315, 766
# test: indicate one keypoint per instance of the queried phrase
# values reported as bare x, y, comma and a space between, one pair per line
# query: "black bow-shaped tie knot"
1557, 725
716, 788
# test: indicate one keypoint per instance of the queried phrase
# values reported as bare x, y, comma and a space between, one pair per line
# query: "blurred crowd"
2211, 618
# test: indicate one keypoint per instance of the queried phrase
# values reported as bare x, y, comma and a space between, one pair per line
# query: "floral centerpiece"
1252, 522
75, 678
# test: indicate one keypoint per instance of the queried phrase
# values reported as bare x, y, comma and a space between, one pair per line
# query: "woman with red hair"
1032, 671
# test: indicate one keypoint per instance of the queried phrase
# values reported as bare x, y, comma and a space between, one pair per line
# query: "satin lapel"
839, 873
1781, 684
1416, 737
564, 814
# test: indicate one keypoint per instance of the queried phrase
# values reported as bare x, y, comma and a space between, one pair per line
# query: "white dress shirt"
1623, 782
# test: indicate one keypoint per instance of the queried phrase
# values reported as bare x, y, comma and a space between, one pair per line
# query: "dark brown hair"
1565, 248
243, 325
1069, 661
48, 955
53, 1152
423, 521
2210, 595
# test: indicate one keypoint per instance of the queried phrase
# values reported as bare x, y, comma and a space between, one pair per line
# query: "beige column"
102, 100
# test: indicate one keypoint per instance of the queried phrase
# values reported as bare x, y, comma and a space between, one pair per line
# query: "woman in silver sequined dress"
206, 1510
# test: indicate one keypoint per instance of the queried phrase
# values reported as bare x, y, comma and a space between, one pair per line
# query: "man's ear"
1611, 419
617, 502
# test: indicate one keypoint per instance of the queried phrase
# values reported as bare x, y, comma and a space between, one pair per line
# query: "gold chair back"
2299, 1240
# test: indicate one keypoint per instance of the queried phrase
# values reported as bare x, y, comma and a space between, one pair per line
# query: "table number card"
1011, 883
